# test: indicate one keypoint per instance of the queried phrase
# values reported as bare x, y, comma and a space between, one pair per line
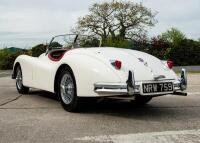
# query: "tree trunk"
122, 33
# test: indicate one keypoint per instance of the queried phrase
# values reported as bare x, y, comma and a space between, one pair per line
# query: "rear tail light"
117, 64
170, 64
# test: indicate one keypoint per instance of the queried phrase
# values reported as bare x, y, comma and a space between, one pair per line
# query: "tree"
116, 20
55, 45
173, 36
159, 48
118, 42
186, 53
38, 50
89, 42
41, 48
7, 57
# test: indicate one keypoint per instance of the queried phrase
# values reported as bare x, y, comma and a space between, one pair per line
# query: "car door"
43, 74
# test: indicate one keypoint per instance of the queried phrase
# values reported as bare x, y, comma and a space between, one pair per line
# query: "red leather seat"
56, 55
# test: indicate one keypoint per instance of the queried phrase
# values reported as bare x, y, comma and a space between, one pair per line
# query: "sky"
25, 23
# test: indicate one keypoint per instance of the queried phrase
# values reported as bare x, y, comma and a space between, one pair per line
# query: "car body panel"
93, 65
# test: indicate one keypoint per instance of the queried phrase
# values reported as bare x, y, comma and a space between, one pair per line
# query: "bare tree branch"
117, 19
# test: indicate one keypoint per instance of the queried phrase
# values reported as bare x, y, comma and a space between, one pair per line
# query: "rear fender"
88, 71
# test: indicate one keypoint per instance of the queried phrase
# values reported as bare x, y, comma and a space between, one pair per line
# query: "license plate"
157, 87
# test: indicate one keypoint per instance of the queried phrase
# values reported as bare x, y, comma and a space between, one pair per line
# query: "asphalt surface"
38, 117
5, 73
188, 68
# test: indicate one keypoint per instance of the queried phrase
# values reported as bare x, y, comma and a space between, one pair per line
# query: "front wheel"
19, 82
141, 100
67, 90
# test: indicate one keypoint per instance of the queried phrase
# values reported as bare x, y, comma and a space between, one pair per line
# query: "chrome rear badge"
142, 61
157, 77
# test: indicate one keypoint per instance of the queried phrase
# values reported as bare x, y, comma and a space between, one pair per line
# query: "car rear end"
140, 74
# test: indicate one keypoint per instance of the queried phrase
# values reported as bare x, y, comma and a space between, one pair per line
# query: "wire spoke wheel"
19, 82
67, 88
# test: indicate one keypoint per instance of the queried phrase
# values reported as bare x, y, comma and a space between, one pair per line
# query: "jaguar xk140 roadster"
73, 73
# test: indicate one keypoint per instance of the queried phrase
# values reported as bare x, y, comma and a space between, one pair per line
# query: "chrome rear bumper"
119, 88
130, 87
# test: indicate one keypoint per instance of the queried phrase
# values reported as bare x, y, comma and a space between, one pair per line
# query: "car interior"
56, 55
63, 44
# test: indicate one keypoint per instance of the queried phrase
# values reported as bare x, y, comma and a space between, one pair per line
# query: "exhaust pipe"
180, 93
131, 83
183, 80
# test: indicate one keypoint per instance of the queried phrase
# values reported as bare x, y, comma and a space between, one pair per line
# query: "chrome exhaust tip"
131, 83
183, 80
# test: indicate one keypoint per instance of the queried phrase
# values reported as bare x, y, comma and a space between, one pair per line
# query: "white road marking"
189, 94
193, 85
193, 93
185, 136
4, 73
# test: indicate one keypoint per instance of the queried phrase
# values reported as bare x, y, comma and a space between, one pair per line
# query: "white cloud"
27, 22
185, 15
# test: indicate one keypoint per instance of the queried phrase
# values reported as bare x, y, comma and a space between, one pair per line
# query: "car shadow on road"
151, 111
118, 108
44, 94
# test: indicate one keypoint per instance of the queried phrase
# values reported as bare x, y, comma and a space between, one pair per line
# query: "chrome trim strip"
112, 91
110, 86
157, 77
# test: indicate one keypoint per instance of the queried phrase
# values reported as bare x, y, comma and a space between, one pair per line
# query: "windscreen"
73, 41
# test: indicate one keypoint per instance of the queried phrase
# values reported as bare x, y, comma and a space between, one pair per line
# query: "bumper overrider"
132, 88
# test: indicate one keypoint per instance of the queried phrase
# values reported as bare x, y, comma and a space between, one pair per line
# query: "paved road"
38, 117
5, 73
188, 68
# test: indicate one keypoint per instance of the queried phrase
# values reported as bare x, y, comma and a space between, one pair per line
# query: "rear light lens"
117, 64
170, 64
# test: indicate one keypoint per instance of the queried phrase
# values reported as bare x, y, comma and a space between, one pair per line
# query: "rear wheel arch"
15, 69
66, 89
57, 75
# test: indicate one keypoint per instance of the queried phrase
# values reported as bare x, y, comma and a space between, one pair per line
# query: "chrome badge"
142, 61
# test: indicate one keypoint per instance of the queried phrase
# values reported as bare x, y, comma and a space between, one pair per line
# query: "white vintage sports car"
72, 73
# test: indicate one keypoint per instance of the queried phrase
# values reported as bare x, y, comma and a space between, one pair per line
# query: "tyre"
141, 100
19, 82
66, 86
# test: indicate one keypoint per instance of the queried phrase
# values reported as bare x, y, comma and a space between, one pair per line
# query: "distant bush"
38, 50
170, 45
159, 48
7, 58
117, 42
175, 46
89, 42
187, 52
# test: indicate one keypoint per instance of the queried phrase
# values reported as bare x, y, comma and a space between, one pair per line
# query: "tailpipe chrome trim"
180, 93
131, 83
183, 80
